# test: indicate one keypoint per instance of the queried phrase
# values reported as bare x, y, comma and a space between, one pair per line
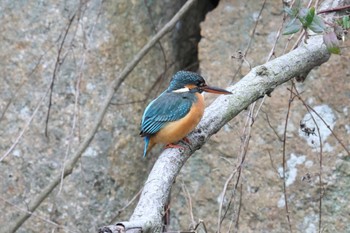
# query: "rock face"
81, 46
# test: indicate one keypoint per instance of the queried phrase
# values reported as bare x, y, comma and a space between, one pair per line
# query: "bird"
176, 112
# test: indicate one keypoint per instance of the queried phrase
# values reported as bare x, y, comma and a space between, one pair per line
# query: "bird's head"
185, 81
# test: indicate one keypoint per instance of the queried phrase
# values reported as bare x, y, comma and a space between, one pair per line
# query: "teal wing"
166, 108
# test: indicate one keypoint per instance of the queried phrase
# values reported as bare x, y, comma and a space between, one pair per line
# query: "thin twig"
155, 31
273, 164
25, 127
284, 159
340, 8
291, 37
57, 65
238, 169
296, 44
304, 32
189, 203
160, 78
239, 207
243, 151
244, 55
309, 109
37, 216
5, 109
246, 135
77, 93
273, 129
244, 148
272, 52
249, 123
201, 222
320, 164
126, 206
324, 122
223, 198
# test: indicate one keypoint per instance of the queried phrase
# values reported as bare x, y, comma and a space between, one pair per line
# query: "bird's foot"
185, 139
171, 145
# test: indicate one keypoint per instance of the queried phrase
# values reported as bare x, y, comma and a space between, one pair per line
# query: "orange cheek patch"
191, 86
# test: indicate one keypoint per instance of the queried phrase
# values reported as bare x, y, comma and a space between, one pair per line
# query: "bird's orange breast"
177, 130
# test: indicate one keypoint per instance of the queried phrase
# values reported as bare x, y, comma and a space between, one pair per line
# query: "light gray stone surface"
83, 45
103, 37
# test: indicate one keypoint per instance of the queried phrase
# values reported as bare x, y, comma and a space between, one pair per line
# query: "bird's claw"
171, 145
185, 139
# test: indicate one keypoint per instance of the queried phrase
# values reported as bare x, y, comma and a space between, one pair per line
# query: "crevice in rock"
187, 34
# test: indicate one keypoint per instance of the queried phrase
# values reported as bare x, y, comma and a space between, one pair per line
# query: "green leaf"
346, 22
302, 16
292, 27
332, 43
334, 50
293, 11
309, 17
289, 11
317, 25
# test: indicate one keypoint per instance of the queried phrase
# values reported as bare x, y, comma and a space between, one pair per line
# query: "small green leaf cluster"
303, 18
344, 22
306, 18
331, 41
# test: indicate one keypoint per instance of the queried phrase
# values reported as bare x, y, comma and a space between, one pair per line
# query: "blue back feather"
168, 107
146, 145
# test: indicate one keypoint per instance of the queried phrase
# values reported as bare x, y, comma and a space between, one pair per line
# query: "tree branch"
260, 81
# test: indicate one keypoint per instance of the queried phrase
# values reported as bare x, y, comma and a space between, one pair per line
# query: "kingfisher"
176, 112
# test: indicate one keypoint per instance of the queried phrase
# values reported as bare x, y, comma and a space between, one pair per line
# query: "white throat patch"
182, 90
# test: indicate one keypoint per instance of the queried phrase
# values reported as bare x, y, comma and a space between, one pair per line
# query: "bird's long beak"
215, 90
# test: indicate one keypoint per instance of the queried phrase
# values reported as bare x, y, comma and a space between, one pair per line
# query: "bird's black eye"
200, 84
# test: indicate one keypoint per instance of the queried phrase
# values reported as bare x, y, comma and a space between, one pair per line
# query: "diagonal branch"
114, 85
260, 81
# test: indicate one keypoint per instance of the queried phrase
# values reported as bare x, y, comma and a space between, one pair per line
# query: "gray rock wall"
81, 46
40, 40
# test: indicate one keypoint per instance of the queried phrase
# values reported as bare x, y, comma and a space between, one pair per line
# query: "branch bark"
260, 81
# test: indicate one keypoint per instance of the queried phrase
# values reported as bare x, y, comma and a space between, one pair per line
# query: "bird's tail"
149, 144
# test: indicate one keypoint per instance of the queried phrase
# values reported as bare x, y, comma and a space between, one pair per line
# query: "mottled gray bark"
260, 81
